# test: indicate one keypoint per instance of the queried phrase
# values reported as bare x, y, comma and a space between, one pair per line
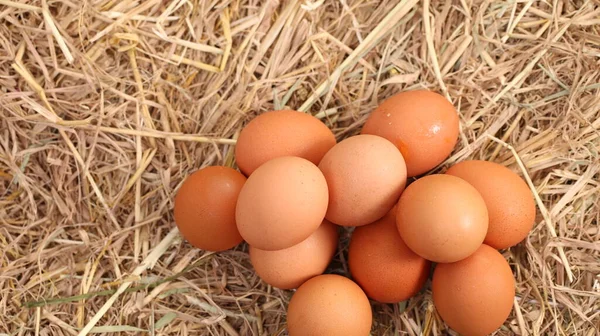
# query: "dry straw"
106, 106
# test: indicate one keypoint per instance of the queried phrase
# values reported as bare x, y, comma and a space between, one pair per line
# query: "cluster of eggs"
301, 186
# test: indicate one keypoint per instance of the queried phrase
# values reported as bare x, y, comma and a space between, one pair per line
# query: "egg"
365, 175
204, 208
282, 133
442, 218
329, 305
474, 296
291, 267
509, 201
381, 263
282, 203
422, 124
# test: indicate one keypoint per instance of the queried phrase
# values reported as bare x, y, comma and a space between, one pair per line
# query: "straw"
107, 106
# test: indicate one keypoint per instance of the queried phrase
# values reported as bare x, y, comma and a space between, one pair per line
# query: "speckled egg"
282, 133
329, 305
204, 208
508, 199
291, 267
422, 124
474, 296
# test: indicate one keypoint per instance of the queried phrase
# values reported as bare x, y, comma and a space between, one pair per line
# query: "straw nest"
106, 106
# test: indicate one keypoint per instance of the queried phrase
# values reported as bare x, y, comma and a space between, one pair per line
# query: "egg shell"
422, 124
329, 305
365, 175
282, 203
291, 267
442, 218
474, 296
508, 199
381, 263
282, 133
204, 208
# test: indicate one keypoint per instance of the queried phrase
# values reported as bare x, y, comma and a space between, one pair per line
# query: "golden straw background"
106, 106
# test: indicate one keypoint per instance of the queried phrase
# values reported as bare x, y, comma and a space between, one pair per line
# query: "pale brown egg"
282, 133
365, 174
381, 263
329, 305
474, 296
508, 199
422, 124
282, 203
204, 208
291, 267
442, 218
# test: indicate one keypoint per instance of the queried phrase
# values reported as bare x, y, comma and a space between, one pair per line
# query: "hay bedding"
107, 105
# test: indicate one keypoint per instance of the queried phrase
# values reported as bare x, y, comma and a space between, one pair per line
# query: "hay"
107, 105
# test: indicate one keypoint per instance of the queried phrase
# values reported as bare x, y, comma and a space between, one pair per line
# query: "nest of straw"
106, 106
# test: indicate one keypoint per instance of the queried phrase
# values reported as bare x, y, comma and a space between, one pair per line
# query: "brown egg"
442, 218
422, 124
283, 202
329, 305
291, 267
508, 199
282, 133
365, 174
474, 296
205, 208
381, 263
